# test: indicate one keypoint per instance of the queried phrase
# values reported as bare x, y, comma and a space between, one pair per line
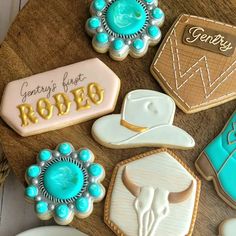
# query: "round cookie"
228, 227
124, 27
64, 182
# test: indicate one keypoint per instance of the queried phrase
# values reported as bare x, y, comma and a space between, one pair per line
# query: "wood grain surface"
49, 34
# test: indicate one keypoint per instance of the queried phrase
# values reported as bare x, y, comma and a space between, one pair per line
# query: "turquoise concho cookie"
64, 182
124, 27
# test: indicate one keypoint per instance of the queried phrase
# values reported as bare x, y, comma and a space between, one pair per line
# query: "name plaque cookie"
196, 63
60, 98
208, 39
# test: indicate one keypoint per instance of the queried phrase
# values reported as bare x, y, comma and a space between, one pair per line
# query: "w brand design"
200, 68
196, 63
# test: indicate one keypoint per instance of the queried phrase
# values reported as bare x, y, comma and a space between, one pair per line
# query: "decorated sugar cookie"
196, 63
64, 182
146, 119
60, 98
228, 227
124, 27
154, 193
217, 162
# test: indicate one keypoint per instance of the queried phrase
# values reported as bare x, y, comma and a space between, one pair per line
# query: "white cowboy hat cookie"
146, 119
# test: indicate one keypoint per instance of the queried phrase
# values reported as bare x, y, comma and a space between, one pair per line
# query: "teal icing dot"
45, 155
102, 38
153, 31
138, 44
33, 171
82, 204
62, 211
95, 190
94, 23
99, 4
65, 148
95, 170
157, 13
31, 191
118, 44
84, 155
126, 17
41, 207
63, 180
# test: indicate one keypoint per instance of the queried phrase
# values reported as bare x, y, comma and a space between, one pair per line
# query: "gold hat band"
132, 127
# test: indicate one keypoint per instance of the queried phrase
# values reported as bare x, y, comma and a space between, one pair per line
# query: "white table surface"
16, 215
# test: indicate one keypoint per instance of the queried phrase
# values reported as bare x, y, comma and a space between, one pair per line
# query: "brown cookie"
196, 63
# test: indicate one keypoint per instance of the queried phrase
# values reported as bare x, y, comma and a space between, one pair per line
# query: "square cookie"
196, 63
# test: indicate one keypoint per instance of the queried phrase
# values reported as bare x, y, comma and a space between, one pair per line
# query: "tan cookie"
196, 63
154, 193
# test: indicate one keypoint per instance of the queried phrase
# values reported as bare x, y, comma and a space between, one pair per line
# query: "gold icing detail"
45, 111
26, 114
132, 127
96, 93
80, 98
63, 103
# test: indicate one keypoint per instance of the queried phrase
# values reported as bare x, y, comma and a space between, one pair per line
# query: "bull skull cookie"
217, 162
124, 27
64, 182
146, 119
152, 194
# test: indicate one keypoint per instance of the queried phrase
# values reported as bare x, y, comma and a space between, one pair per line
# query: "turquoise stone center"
126, 17
63, 180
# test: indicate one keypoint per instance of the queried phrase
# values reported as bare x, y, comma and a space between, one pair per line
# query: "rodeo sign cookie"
60, 98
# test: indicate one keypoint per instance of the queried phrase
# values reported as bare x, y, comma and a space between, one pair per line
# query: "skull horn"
180, 196
132, 187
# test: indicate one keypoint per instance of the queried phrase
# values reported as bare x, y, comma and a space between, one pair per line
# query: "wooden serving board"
49, 34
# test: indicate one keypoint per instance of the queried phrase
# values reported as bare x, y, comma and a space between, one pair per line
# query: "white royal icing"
228, 227
148, 110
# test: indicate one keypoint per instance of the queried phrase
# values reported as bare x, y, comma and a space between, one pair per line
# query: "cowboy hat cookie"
60, 98
146, 119
228, 227
64, 182
196, 63
154, 193
217, 162
124, 27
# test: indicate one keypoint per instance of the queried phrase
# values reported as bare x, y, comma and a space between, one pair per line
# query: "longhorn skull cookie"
146, 119
217, 162
124, 27
64, 183
152, 194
